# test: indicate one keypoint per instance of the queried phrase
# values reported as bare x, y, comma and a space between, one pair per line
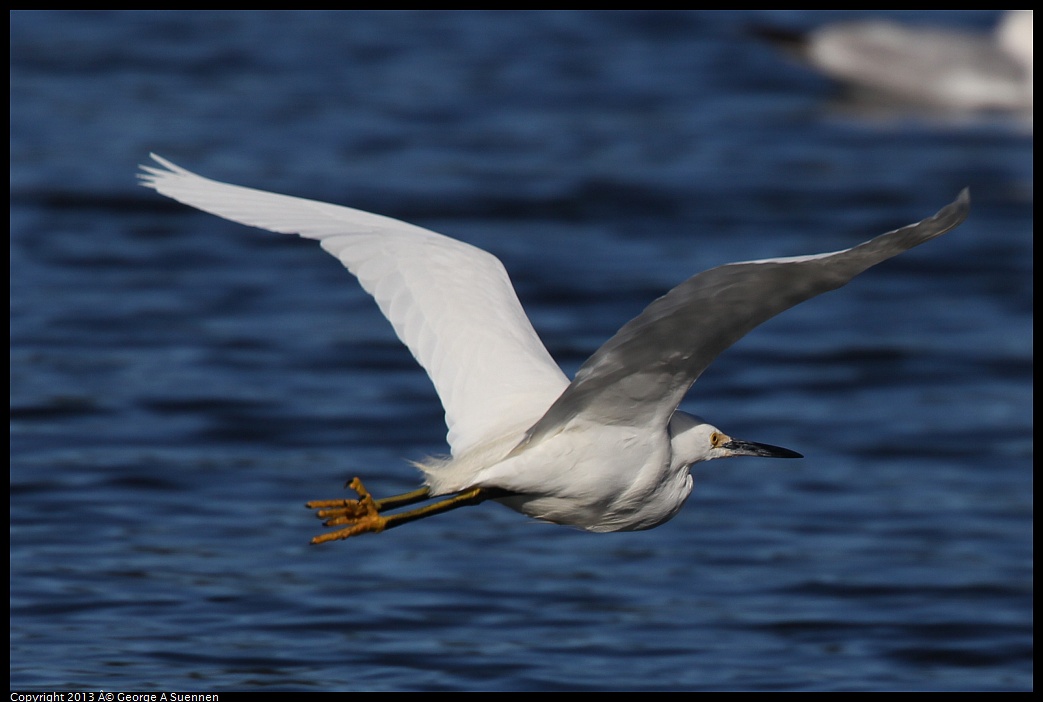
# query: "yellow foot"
362, 514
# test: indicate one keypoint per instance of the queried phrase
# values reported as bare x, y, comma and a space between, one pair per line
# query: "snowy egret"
608, 451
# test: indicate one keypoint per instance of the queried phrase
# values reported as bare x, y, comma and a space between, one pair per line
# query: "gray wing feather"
642, 373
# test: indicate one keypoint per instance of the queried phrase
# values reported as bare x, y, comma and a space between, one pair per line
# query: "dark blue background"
180, 385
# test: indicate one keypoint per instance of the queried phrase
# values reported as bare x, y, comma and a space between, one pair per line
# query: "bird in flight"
608, 451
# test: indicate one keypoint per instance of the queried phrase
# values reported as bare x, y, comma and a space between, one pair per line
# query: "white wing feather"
450, 303
639, 376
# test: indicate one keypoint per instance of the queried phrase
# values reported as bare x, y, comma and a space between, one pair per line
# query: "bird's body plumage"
608, 451
932, 66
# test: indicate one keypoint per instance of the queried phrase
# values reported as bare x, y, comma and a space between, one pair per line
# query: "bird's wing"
451, 303
641, 374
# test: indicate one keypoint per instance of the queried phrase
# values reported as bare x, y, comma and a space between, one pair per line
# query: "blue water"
180, 385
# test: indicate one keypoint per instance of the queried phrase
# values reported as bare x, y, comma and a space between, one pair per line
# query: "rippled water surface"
180, 385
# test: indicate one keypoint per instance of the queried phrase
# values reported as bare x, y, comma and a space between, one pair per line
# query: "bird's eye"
715, 439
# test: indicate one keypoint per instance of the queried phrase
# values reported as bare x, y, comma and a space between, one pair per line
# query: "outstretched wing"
640, 375
451, 303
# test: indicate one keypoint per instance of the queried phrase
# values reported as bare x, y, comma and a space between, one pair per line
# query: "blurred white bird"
607, 452
925, 65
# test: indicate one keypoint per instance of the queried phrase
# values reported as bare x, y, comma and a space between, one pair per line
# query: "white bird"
922, 65
608, 451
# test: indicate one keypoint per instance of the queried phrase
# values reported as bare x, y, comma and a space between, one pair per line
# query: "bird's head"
694, 440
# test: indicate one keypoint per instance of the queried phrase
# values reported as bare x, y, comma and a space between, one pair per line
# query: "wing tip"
152, 176
954, 213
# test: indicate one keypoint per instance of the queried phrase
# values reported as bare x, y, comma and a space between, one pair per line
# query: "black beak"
749, 448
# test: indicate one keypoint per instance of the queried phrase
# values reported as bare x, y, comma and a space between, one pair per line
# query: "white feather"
450, 303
